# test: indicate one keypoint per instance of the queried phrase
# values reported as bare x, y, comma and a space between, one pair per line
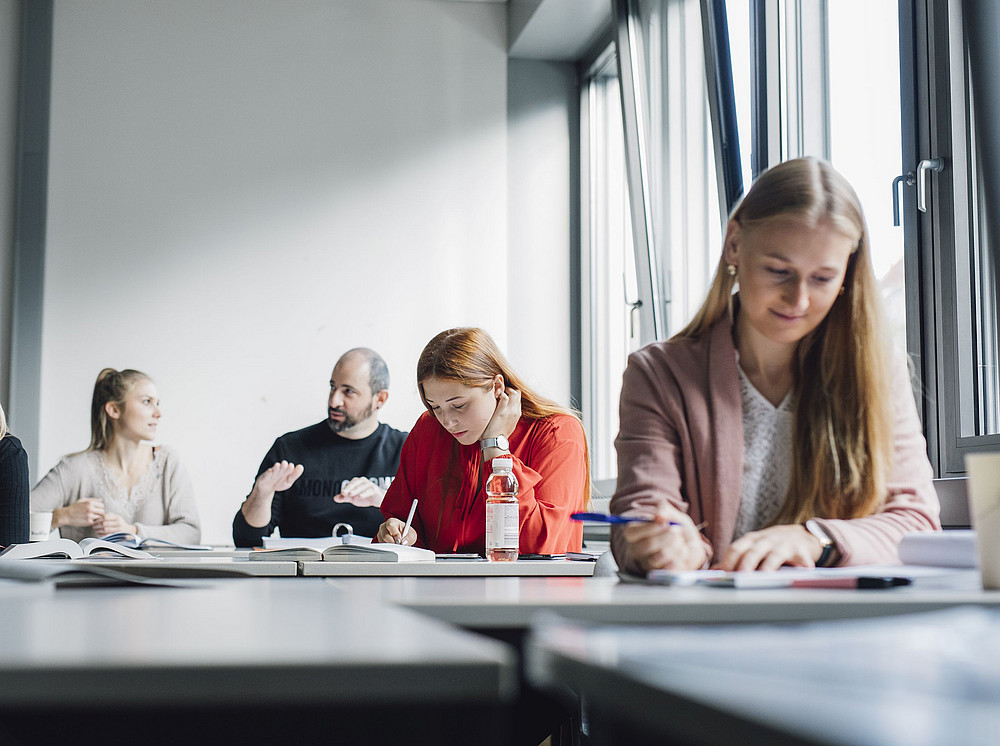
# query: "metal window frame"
933, 49
591, 401
631, 75
722, 103
31, 190
766, 125
722, 109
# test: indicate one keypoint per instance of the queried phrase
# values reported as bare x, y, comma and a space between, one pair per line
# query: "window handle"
635, 306
910, 180
931, 164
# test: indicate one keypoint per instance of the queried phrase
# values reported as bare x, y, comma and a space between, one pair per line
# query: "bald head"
378, 371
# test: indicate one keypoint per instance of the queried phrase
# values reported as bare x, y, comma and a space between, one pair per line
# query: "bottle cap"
503, 463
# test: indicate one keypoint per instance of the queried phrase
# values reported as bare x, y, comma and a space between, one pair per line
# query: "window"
863, 63
671, 145
651, 234
950, 70
888, 91
612, 324
818, 75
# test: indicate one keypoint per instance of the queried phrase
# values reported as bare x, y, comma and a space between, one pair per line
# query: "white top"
162, 504
767, 450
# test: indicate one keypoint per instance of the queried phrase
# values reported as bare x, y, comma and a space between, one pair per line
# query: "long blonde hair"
843, 425
3, 423
111, 386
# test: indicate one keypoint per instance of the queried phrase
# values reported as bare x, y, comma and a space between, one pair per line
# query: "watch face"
502, 443
816, 530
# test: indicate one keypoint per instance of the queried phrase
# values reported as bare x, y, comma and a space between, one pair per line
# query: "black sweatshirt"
307, 508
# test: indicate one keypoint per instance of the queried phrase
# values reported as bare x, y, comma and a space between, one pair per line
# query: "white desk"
188, 565
450, 568
480, 603
237, 661
918, 680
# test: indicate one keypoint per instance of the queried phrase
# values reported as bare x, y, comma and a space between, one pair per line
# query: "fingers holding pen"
669, 539
392, 532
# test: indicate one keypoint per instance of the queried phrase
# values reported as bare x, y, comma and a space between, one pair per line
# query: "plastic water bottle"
502, 530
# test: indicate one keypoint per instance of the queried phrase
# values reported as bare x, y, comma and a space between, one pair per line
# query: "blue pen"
602, 518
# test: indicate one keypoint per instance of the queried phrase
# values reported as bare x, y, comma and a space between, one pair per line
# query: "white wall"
543, 100
240, 190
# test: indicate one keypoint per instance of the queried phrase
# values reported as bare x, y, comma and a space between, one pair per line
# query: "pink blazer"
681, 441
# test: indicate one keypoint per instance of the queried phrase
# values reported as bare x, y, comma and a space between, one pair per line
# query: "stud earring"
731, 269
841, 290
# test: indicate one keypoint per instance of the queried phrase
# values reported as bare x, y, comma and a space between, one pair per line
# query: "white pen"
409, 520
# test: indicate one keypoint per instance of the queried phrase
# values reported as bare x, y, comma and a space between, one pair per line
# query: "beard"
338, 426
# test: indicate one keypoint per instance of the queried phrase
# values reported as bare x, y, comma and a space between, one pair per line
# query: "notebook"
69, 549
953, 548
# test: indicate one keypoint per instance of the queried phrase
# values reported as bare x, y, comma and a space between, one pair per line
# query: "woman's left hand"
112, 523
770, 548
505, 416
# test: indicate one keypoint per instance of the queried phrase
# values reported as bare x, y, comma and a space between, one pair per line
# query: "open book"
138, 542
69, 549
347, 553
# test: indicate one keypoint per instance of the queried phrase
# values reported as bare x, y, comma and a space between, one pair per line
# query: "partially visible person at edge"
13, 488
479, 409
124, 481
776, 418
335, 471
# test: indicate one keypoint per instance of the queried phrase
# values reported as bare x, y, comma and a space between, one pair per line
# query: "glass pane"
987, 370
865, 136
684, 196
738, 15
613, 328
982, 295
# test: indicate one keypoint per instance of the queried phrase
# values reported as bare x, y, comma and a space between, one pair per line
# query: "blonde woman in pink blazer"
777, 428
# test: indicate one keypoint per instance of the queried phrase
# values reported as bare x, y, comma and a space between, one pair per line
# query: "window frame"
940, 334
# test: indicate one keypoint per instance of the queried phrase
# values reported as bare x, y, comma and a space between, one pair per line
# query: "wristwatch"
824, 539
498, 442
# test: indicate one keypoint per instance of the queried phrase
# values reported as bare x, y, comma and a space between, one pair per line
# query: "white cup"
39, 526
984, 500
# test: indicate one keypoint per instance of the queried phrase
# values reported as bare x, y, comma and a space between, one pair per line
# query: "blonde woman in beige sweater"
124, 481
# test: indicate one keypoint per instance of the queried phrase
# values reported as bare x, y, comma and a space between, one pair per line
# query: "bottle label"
501, 525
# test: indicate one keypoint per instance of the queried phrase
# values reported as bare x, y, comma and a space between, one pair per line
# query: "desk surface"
298, 641
450, 569
907, 681
187, 565
514, 602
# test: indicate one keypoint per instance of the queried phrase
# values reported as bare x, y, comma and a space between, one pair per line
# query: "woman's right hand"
391, 532
670, 541
84, 512
506, 415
